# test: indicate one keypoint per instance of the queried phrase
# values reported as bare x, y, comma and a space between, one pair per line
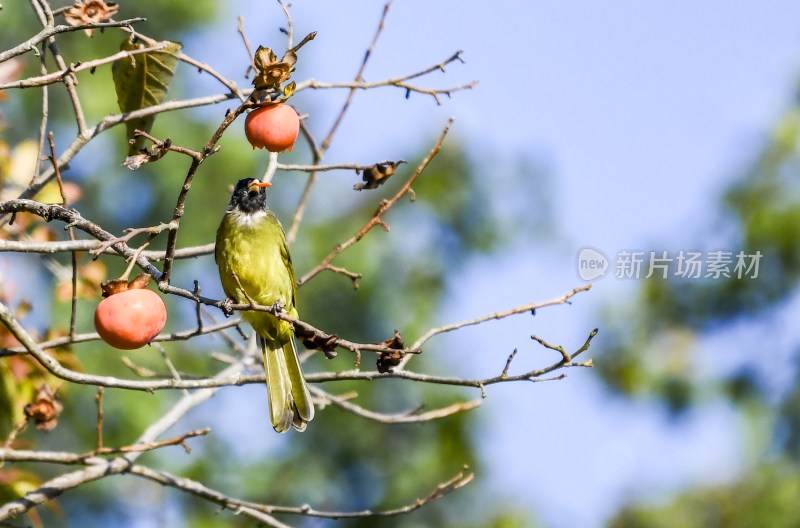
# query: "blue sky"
640, 111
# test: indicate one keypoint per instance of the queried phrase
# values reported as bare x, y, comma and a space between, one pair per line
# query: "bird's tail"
289, 400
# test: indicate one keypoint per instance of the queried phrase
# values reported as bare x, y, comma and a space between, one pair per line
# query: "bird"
255, 266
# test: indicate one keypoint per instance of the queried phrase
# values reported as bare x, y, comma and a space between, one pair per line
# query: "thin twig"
21, 425
99, 430
180, 204
58, 370
299, 211
167, 145
99, 467
566, 356
83, 338
272, 166
398, 82
201, 66
150, 446
398, 418
531, 307
382, 208
47, 32
248, 48
60, 75
359, 77
129, 234
319, 152
70, 82
504, 374
111, 121
50, 247
323, 168
71, 231
193, 487
43, 122
289, 25
407, 87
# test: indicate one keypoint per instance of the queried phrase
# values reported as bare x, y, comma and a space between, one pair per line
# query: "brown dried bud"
377, 175
388, 360
317, 341
90, 12
44, 410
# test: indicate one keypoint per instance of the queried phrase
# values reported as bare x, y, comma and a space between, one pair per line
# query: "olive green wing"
287, 260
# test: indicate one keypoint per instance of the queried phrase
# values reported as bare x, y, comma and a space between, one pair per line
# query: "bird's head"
249, 196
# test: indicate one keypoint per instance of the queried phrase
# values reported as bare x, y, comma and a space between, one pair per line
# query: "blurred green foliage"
767, 498
652, 345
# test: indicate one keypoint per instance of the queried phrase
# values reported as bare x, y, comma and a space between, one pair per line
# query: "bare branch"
26, 246
289, 25
93, 336
149, 446
461, 479
247, 46
111, 121
324, 168
377, 217
58, 485
46, 17
406, 417
567, 357
359, 76
47, 32
177, 214
99, 427
435, 93
58, 76
398, 82
532, 307
317, 155
201, 66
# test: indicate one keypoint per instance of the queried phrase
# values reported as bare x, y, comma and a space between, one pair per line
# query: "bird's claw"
226, 307
276, 307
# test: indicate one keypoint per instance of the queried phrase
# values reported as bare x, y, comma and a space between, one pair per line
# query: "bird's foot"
226, 307
276, 307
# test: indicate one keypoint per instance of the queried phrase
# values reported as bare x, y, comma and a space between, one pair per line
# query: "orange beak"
255, 185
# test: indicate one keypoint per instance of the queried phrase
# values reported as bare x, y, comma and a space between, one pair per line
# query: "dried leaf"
142, 81
44, 410
290, 58
264, 56
89, 12
270, 72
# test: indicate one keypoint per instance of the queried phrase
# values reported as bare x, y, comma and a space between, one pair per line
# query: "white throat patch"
246, 220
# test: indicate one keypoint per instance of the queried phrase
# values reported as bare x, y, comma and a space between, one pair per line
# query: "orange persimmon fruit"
131, 318
273, 127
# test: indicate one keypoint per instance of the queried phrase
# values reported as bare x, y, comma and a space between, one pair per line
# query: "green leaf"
141, 81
